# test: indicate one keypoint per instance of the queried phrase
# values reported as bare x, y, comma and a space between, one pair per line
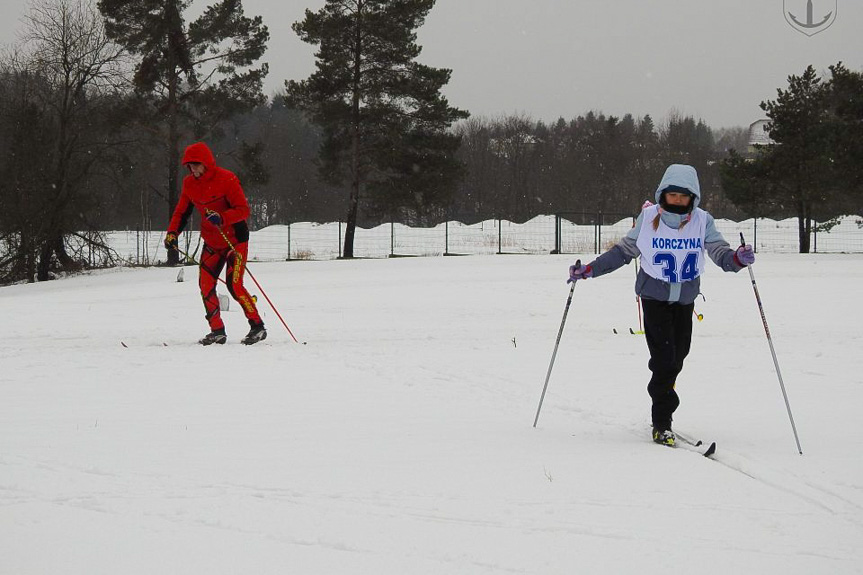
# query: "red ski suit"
217, 190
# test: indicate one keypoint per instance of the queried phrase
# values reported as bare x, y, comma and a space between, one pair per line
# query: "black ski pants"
668, 330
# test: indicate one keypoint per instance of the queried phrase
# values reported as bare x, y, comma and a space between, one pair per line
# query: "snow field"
399, 439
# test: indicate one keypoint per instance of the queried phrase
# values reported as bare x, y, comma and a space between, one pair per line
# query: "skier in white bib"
670, 238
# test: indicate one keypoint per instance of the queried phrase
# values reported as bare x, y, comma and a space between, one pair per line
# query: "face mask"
681, 210
676, 209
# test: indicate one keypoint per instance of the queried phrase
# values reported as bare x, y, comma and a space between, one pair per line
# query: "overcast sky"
715, 60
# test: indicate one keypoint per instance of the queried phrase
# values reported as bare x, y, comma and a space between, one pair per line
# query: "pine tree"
799, 161
805, 171
845, 101
383, 117
189, 77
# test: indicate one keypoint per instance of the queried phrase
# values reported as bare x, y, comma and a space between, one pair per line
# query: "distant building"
758, 135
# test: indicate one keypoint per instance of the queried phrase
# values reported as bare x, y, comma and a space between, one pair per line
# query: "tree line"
98, 99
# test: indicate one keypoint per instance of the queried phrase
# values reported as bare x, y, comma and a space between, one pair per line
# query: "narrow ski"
698, 447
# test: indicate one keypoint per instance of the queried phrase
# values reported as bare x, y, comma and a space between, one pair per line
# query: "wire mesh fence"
563, 233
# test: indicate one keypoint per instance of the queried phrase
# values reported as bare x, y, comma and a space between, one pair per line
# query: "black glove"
171, 241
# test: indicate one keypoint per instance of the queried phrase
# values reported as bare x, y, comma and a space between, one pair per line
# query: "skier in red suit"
217, 195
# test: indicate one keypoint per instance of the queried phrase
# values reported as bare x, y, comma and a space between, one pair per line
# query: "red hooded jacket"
218, 190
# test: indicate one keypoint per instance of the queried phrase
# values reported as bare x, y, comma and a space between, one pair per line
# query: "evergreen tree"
189, 77
796, 172
384, 121
800, 159
845, 101
648, 167
747, 183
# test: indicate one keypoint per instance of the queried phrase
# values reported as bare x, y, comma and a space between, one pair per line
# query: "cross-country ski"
705, 448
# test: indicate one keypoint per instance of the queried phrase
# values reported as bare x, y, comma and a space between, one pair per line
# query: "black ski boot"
215, 336
256, 334
664, 437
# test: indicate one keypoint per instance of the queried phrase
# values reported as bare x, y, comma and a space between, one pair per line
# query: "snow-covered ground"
397, 437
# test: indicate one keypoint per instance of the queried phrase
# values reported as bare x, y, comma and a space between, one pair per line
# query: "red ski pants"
212, 262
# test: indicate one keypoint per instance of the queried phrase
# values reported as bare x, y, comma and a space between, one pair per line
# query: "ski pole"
637, 297
772, 351
196, 262
242, 263
638, 301
556, 344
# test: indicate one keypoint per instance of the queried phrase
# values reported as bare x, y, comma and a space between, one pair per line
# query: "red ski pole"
270, 302
242, 263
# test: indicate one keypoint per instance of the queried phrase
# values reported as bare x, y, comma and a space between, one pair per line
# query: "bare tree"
70, 64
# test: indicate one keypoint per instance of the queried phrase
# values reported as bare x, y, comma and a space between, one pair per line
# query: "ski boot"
256, 334
663, 437
215, 336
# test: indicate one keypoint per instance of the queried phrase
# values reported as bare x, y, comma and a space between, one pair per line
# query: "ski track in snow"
399, 439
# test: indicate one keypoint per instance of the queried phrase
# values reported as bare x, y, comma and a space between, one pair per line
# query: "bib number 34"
674, 271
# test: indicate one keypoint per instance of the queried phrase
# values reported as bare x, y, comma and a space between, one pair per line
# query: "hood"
681, 176
200, 153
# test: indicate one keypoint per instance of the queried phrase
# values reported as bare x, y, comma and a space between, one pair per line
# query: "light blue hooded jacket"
647, 287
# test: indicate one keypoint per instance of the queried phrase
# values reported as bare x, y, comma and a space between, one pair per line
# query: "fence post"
340, 239
289, 241
446, 237
499, 236
597, 233
814, 236
392, 238
755, 234
599, 237
556, 234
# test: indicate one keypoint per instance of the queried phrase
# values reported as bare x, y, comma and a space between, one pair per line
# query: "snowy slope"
399, 439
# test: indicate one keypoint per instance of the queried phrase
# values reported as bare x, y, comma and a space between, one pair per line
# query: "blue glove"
744, 256
579, 272
214, 218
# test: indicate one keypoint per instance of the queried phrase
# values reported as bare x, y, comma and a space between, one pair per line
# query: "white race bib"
671, 255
